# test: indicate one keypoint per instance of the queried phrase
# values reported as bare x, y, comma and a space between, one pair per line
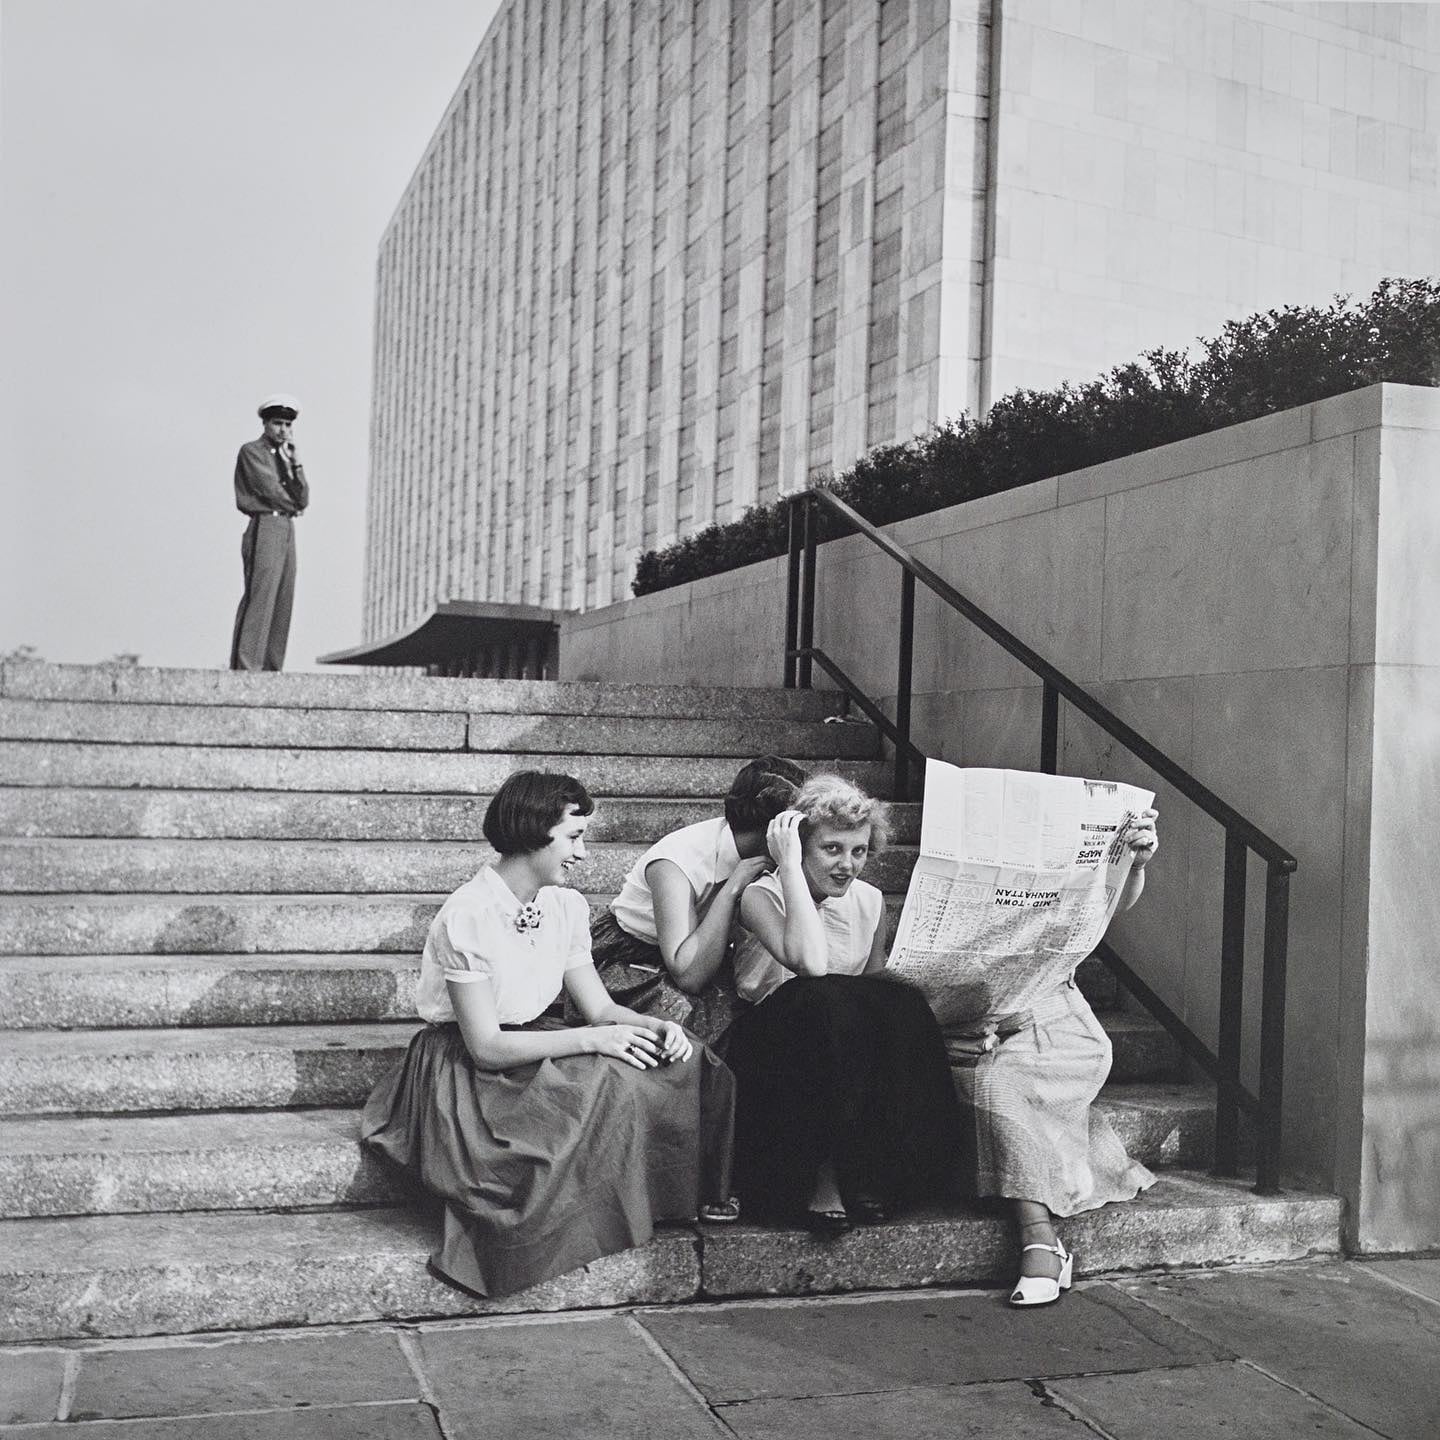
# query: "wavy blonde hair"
832, 800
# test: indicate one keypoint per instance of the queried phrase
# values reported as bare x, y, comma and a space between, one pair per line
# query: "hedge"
1270, 361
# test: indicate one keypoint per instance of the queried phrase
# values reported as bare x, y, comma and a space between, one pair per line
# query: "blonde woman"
844, 1106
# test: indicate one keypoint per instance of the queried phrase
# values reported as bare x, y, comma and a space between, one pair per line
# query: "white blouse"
850, 922
474, 940
707, 857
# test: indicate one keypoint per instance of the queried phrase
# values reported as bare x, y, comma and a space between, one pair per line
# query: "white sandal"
1042, 1289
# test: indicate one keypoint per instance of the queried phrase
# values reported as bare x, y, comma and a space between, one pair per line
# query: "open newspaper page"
1018, 876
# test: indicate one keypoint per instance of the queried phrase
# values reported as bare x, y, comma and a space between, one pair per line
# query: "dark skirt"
633, 971
553, 1164
850, 1068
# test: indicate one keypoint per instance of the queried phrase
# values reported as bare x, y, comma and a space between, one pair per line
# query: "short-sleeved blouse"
706, 855
474, 939
850, 921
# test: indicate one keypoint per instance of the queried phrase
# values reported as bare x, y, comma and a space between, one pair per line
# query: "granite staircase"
213, 893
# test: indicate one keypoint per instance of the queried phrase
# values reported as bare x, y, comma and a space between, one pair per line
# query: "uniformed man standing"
270, 488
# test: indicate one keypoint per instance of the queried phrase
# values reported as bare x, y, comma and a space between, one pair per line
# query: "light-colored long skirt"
553, 1164
1037, 1135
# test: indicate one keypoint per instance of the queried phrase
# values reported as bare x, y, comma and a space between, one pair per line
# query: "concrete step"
168, 1274
54, 1072
235, 924
254, 727
39, 680
304, 1159
306, 867
282, 815
110, 1072
216, 924
50, 764
109, 992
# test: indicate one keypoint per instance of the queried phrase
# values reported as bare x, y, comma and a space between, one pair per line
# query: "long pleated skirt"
849, 1068
553, 1164
1030, 1104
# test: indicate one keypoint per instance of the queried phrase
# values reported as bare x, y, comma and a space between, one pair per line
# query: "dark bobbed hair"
761, 790
528, 806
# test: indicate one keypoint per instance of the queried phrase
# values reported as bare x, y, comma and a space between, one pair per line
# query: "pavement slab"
247, 1374
597, 1379
1200, 1402
972, 1412
409, 1421
1362, 1346
30, 1385
1418, 1274
789, 1351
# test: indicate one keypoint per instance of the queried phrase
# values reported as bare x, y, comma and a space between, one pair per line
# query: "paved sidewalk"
1324, 1349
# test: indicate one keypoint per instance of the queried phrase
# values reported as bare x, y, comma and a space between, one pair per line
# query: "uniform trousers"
262, 624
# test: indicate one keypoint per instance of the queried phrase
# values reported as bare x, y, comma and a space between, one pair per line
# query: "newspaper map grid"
1018, 877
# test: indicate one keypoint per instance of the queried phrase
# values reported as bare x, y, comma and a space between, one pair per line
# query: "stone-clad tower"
664, 259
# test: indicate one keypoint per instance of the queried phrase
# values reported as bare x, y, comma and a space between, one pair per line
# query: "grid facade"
667, 259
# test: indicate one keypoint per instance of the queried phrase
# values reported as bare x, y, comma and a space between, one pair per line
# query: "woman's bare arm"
694, 945
492, 1048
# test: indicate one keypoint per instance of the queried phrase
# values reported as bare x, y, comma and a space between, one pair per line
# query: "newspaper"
1018, 876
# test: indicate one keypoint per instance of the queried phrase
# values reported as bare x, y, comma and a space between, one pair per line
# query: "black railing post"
902, 684
1232, 1004
1049, 728
807, 590
1272, 1028
792, 592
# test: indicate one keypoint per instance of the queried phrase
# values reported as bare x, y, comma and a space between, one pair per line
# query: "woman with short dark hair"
550, 1146
663, 945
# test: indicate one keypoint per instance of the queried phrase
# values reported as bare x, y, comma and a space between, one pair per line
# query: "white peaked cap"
278, 402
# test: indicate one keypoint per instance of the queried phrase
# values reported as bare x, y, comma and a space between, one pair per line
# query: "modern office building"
664, 259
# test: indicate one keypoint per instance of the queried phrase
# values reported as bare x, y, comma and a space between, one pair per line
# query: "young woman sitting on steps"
845, 1104
550, 1146
663, 945
1029, 1082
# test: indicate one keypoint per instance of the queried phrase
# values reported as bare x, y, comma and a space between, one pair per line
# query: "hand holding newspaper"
1018, 877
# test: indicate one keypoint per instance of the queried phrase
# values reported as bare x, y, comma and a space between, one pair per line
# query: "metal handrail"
1223, 1064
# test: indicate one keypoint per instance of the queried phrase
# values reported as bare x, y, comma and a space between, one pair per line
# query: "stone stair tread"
195, 1040
288, 1159
302, 867
45, 763
198, 1069
101, 813
265, 727
44, 680
102, 992
202, 1068
157, 1274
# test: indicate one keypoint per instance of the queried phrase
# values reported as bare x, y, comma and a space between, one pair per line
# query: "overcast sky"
191, 196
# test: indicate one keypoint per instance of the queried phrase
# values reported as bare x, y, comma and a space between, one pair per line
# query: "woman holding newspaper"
844, 1103
1029, 1080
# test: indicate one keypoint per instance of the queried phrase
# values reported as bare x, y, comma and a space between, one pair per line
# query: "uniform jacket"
264, 483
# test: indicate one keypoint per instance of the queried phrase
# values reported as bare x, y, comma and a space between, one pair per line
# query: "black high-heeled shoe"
827, 1224
867, 1210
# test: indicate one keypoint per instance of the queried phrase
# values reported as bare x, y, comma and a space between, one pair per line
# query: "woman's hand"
746, 873
674, 1042
783, 838
1141, 837
631, 1043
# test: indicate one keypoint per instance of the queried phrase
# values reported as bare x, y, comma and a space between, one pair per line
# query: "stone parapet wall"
1262, 604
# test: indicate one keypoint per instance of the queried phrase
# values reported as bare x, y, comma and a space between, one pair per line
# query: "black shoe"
868, 1211
827, 1224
